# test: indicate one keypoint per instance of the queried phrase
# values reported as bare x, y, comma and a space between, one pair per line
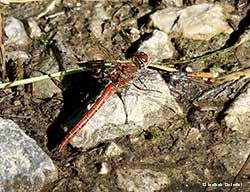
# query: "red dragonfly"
119, 77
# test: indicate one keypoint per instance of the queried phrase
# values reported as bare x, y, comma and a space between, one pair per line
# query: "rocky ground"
180, 125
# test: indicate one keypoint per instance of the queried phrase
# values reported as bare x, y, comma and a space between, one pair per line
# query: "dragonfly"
120, 76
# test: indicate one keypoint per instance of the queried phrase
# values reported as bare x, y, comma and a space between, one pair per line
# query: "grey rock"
100, 188
172, 3
14, 55
194, 135
158, 46
141, 180
64, 53
14, 30
35, 30
193, 22
232, 155
46, 88
23, 165
112, 149
104, 168
98, 16
50, 7
238, 114
149, 103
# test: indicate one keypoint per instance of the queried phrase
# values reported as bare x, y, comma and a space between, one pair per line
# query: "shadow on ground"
78, 91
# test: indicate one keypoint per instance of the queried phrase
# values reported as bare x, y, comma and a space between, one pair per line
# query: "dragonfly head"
140, 59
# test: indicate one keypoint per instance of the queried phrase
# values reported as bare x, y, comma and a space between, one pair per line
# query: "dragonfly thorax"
140, 59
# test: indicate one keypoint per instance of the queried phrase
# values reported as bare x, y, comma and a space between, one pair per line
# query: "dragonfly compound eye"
140, 59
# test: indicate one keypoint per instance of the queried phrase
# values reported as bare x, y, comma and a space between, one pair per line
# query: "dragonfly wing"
109, 121
153, 88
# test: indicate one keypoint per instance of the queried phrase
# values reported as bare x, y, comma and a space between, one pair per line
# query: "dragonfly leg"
124, 106
141, 81
145, 89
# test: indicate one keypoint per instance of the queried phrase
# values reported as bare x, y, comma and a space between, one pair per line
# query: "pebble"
14, 30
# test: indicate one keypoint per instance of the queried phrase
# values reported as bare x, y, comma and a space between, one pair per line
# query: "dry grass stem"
2, 54
245, 73
7, 2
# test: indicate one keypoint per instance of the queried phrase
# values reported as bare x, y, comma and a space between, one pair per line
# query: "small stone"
99, 15
35, 30
194, 135
141, 180
14, 30
172, 3
6, 2
50, 7
112, 150
135, 33
100, 188
158, 46
104, 168
207, 173
45, 88
17, 103
188, 69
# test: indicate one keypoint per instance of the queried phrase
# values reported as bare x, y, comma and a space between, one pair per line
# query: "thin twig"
2, 54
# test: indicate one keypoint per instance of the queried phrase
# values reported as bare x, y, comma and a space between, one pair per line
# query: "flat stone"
141, 180
193, 22
237, 117
233, 155
45, 88
24, 166
149, 103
